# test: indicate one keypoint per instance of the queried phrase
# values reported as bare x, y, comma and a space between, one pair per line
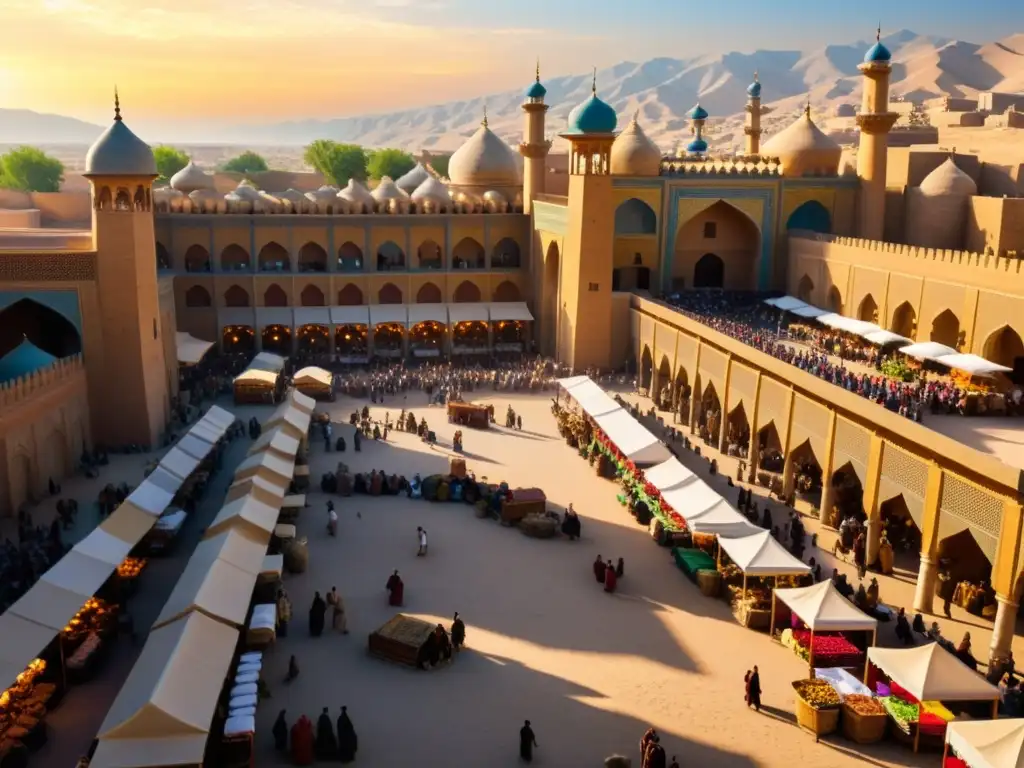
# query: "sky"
253, 61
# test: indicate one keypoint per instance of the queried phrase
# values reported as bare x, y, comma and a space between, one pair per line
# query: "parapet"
753, 166
17, 392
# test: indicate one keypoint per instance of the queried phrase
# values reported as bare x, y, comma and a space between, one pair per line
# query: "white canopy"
274, 316
881, 338
249, 514
927, 350
313, 375
632, 438
988, 743
931, 673
847, 324
786, 303
269, 466
668, 474
23, 641
291, 417
510, 310
80, 574
190, 349
304, 403
152, 497
357, 315
179, 463
48, 605
312, 316
424, 313
266, 491
388, 313
591, 398
823, 609
194, 446
257, 376
206, 430
761, 555
809, 312
276, 440
972, 364
218, 417
465, 313
102, 545
692, 499
268, 361
724, 521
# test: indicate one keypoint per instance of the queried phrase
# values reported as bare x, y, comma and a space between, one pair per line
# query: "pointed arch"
468, 254
312, 258
1005, 347
811, 216
236, 296
429, 293
429, 255
646, 368
197, 296
868, 309
389, 294
904, 320
507, 291
725, 232
197, 259
311, 296
163, 258
350, 296
44, 327
275, 296
234, 258
805, 289
123, 200
635, 217
390, 257
273, 257
835, 300
709, 272
467, 292
549, 300
350, 257
506, 254
946, 329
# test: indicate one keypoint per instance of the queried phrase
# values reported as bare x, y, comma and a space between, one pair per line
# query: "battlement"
751, 167
18, 392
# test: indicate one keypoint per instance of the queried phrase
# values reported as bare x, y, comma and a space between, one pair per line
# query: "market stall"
589, 396
249, 515
179, 463
471, 331
986, 743
521, 502
669, 475
268, 361
632, 438
276, 441
164, 534
819, 617
509, 324
315, 382
256, 386
269, 466
469, 415
762, 557
401, 639
263, 490
191, 350
291, 418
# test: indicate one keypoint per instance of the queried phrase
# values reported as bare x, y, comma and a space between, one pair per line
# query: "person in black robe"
427, 653
620, 568
357, 441
766, 519
754, 690
326, 746
599, 569
527, 741
317, 612
348, 743
656, 757
280, 731
458, 632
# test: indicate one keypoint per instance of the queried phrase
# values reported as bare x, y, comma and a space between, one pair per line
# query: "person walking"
422, 534
458, 632
527, 742
338, 620
752, 682
348, 742
284, 613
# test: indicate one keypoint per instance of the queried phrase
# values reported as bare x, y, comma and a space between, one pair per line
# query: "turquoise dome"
698, 113
754, 90
697, 146
536, 91
24, 359
592, 116
877, 54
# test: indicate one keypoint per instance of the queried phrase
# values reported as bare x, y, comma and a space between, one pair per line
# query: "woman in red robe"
302, 741
396, 589
610, 579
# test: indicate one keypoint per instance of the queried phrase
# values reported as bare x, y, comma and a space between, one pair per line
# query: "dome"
432, 191
236, 203
119, 152
247, 192
495, 202
697, 146
633, 154
536, 90
164, 197
190, 178
949, 180
804, 149
592, 116
323, 200
698, 112
754, 89
297, 201
357, 196
208, 201
484, 161
877, 54
413, 179
386, 190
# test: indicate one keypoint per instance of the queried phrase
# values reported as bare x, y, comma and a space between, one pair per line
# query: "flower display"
829, 650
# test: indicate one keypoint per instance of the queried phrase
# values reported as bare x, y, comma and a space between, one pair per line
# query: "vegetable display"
864, 705
818, 694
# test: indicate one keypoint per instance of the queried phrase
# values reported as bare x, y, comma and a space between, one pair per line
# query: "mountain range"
660, 90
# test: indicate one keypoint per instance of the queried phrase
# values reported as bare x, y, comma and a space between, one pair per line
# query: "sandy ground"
590, 670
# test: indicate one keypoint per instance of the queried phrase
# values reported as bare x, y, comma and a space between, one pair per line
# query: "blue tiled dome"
754, 90
592, 116
698, 113
697, 145
536, 90
877, 54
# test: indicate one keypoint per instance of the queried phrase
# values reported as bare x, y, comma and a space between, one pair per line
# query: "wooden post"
744, 586
810, 655
945, 751
995, 709
867, 668
771, 625
917, 735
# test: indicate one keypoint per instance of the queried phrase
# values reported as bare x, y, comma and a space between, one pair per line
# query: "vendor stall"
669, 475
762, 557
164, 533
820, 617
291, 418
248, 515
268, 361
986, 743
269, 466
632, 438
256, 386
315, 382
278, 442
469, 415
522, 502
263, 490
591, 398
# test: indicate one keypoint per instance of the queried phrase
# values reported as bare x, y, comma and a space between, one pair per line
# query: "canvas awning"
290, 417
190, 349
931, 673
102, 545
632, 438
237, 316
988, 743
265, 491
467, 313
669, 474
194, 446
268, 465
313, 375
972, 364
214, 583
312, 316
206, 430
274, 316
809, 312
927, 350
146, 753
510, 310
129, 524
153, 497
257, 376
883, 338
761, 555
23, 641
268, 361
823, 609
48, 605
692, 499
219, 417
304, 403
248, 514
277, 441
724, 521
591, 398
179, 463
847, 324
79, 574
388, 313
786, 303
425, 313
173, 688
273, 566
359, 315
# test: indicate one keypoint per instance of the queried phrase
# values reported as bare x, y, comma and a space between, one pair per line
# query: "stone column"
827, 496
924, 593
872, 540
1003, 628
788, 476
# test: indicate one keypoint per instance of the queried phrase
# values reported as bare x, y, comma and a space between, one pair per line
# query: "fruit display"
818, 694
903, 713
864, 705
95, 616
131, 567
829, 650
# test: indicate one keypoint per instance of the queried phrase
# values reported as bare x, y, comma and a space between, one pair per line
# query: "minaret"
752, 129
127, 374
535, 149
875, 121
698, 118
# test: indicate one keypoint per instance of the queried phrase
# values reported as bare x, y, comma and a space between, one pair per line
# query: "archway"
737, 432
312, 258
314, 339
468, 254
197, 296
769, 459
275, 296
163, 258
709, 272
238, 339
868, 309
806, 480
709, 423
730, 236
277, 339
901, 531
904, 321
236, 296
805, 289
350, 341
234, 258
390, 257
426, 339
273, 258
45, 328
507, 291
429, 255
635, 217
350, 257
1004, 347
847, 496
646, 370
506, 254
350, 296
197, 259
835, 300
811, 216
466, 293
946, 329
429, 294
662, 394
681, 393
549, 303
311, 296
389, 294
964, 559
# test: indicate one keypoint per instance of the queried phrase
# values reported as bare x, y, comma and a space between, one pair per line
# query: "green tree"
169, 161
440, 165
247, 162
30, 170
337, 162
389, 162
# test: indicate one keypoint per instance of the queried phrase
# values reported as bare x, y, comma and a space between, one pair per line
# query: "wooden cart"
469, 415
525, 501
400, 639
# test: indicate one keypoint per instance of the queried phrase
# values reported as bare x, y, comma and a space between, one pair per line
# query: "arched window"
350, 296
389, 294
350, 258
236, 296
805, 289
139, 202
123, 200
946, 329
429, 294
868, 310
635, 217
709, 272
163, 258
507, 291
234, 258
312, 258
468, 254
311, 296
466, 293
103, 199
812, 216
506, 254
197, 296
275, 296
273, 258
429, 255
390, 257
45, 328
197, 259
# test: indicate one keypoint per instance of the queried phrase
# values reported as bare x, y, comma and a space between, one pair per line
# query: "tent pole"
867, 668
771, 624
917, 736
945, 752
995, 709
810, 657
744, 586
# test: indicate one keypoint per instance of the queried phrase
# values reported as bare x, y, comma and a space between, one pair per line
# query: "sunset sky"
272, 60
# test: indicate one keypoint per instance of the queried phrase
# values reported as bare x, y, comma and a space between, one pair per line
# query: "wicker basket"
820, 722
864, 729
710, 582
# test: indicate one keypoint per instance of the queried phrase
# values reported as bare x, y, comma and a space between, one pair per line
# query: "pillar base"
1003, 629
924, 593
873, 541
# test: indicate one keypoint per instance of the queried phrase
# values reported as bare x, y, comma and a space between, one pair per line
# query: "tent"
247, 514
269, 466
218, 417
809, 312
931, 673
277, 441
79, 574
762, 555
786, 303
163, 713
206, 430
972, 364
883, 338
265, 491
194, 446
510, 310
692, 499
256, 376
23, 641
723, 520
987, 743
190, 349
24, 359
151, 497
291, 418
591, 398
128, 523
668, 475
49, 605
303, 402
468, 313
313, 375
823, 609
632, 438
179, 463
102, 545
267, 361
927, 350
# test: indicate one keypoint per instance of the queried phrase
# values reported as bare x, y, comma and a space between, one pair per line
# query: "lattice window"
904, 471
743, 380
712, 362
812, 418
852, 441
967, 501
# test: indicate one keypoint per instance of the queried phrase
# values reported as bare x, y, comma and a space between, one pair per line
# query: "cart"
469, 415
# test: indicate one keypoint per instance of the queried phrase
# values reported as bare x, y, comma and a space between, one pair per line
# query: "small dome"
495, 202
877, 54
949, 180
432, 191
247, 191
698, 112
413, 179
208, 201
271, 203
804, 149
592, 116
387, 190
357, 196
323, 200
119, 152
536, 90
754, 89
633, 154
484, 161
236, 203
297, 201
697, 146
190, 178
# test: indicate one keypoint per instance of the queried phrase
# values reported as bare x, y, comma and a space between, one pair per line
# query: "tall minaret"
535, 149
753, 127
875, 121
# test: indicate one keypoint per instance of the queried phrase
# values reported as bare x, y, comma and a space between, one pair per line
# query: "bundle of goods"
817, 706
22, 711
731, 574
296, 555
131, 568
539, 526
864, 719
829, 650
930, 717
96, 616
689, 561
80, 663
710, 582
